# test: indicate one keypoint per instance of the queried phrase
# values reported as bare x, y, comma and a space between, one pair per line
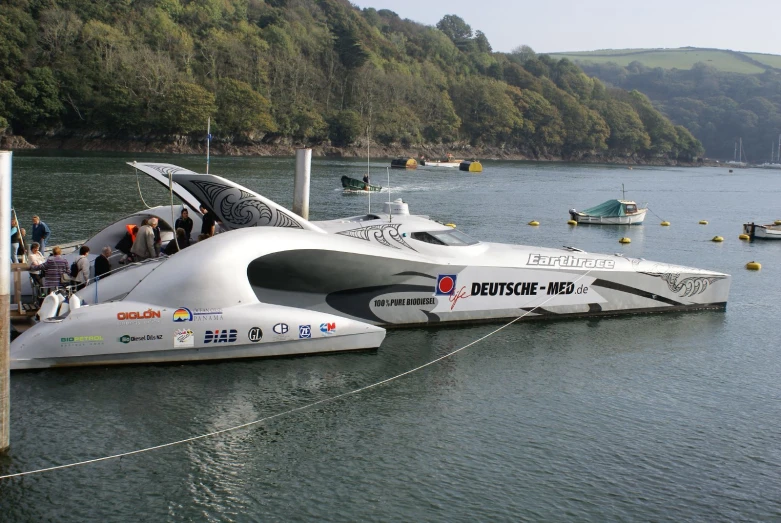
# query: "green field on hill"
773, 60
685, 58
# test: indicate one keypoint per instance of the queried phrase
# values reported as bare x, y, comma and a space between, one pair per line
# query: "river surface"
669, 417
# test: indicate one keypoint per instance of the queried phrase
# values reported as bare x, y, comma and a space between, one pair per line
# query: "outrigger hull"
492, 282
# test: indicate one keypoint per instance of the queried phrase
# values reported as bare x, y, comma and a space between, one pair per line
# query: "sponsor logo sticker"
183, 314
149, 337
304, 331
446, 285
328, 328
255, 334
148, 314
184, 338
81, 340
221, 336
280, 328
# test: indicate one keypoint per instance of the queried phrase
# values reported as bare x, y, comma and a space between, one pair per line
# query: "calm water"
662, 417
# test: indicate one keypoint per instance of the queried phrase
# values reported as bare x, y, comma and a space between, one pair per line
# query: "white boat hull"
441, 164
630, 219
94, 335
763, 232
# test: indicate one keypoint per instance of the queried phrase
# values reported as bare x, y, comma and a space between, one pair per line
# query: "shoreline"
185, 145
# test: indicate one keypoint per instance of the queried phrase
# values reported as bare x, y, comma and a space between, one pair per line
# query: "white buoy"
75, 302
49, 306
301, 184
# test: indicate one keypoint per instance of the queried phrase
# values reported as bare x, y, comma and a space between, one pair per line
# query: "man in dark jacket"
41, 232
102, 265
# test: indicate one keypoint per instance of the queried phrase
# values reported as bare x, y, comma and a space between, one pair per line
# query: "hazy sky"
579, 25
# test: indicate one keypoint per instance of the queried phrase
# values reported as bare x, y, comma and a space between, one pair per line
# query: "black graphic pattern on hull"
686, 287
386, 234
238, 208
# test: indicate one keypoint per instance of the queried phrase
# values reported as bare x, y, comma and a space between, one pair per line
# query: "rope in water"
652, 212
291, 411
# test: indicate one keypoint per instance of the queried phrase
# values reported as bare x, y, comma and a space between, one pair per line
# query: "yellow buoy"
753, 266
744, 237
571, 222
624, 240
777, 222
703, 222
534, 223
453, 225
665, 223
717, 239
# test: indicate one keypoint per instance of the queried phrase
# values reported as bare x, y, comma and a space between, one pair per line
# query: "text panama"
570, 261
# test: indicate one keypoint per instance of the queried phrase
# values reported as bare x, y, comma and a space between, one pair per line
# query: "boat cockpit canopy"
451, 237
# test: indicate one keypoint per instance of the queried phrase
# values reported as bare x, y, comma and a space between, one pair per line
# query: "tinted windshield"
451, 237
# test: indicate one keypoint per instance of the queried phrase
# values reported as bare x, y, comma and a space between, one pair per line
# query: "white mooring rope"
291, 411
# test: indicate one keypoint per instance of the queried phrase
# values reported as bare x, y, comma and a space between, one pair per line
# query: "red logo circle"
446, 285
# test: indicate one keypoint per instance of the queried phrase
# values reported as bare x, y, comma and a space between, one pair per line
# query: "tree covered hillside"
717, 107
305, 72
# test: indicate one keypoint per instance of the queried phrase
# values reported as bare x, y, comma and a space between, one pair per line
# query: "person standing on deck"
41, 232
16, 240
153, 222
36, 258
83, 265
102, 263
144, 246
209, 222
186, 223
53, 269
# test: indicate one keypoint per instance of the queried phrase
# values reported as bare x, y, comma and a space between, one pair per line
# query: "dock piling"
301, 184
5, 302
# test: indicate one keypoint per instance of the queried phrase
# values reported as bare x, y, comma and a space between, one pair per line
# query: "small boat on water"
448, 161
353, 185
611, 212
763, 232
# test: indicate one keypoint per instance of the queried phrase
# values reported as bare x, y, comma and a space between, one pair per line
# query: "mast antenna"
208, 140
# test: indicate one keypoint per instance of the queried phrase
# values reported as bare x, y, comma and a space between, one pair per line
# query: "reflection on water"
664, 417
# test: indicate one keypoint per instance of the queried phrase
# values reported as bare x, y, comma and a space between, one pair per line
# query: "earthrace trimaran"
337, 282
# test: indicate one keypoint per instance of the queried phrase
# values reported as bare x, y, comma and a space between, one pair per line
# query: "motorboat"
447, 161
763, 232
611, 212
353, 185
343, 279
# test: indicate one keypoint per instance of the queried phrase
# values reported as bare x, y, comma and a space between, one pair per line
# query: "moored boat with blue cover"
611, 212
